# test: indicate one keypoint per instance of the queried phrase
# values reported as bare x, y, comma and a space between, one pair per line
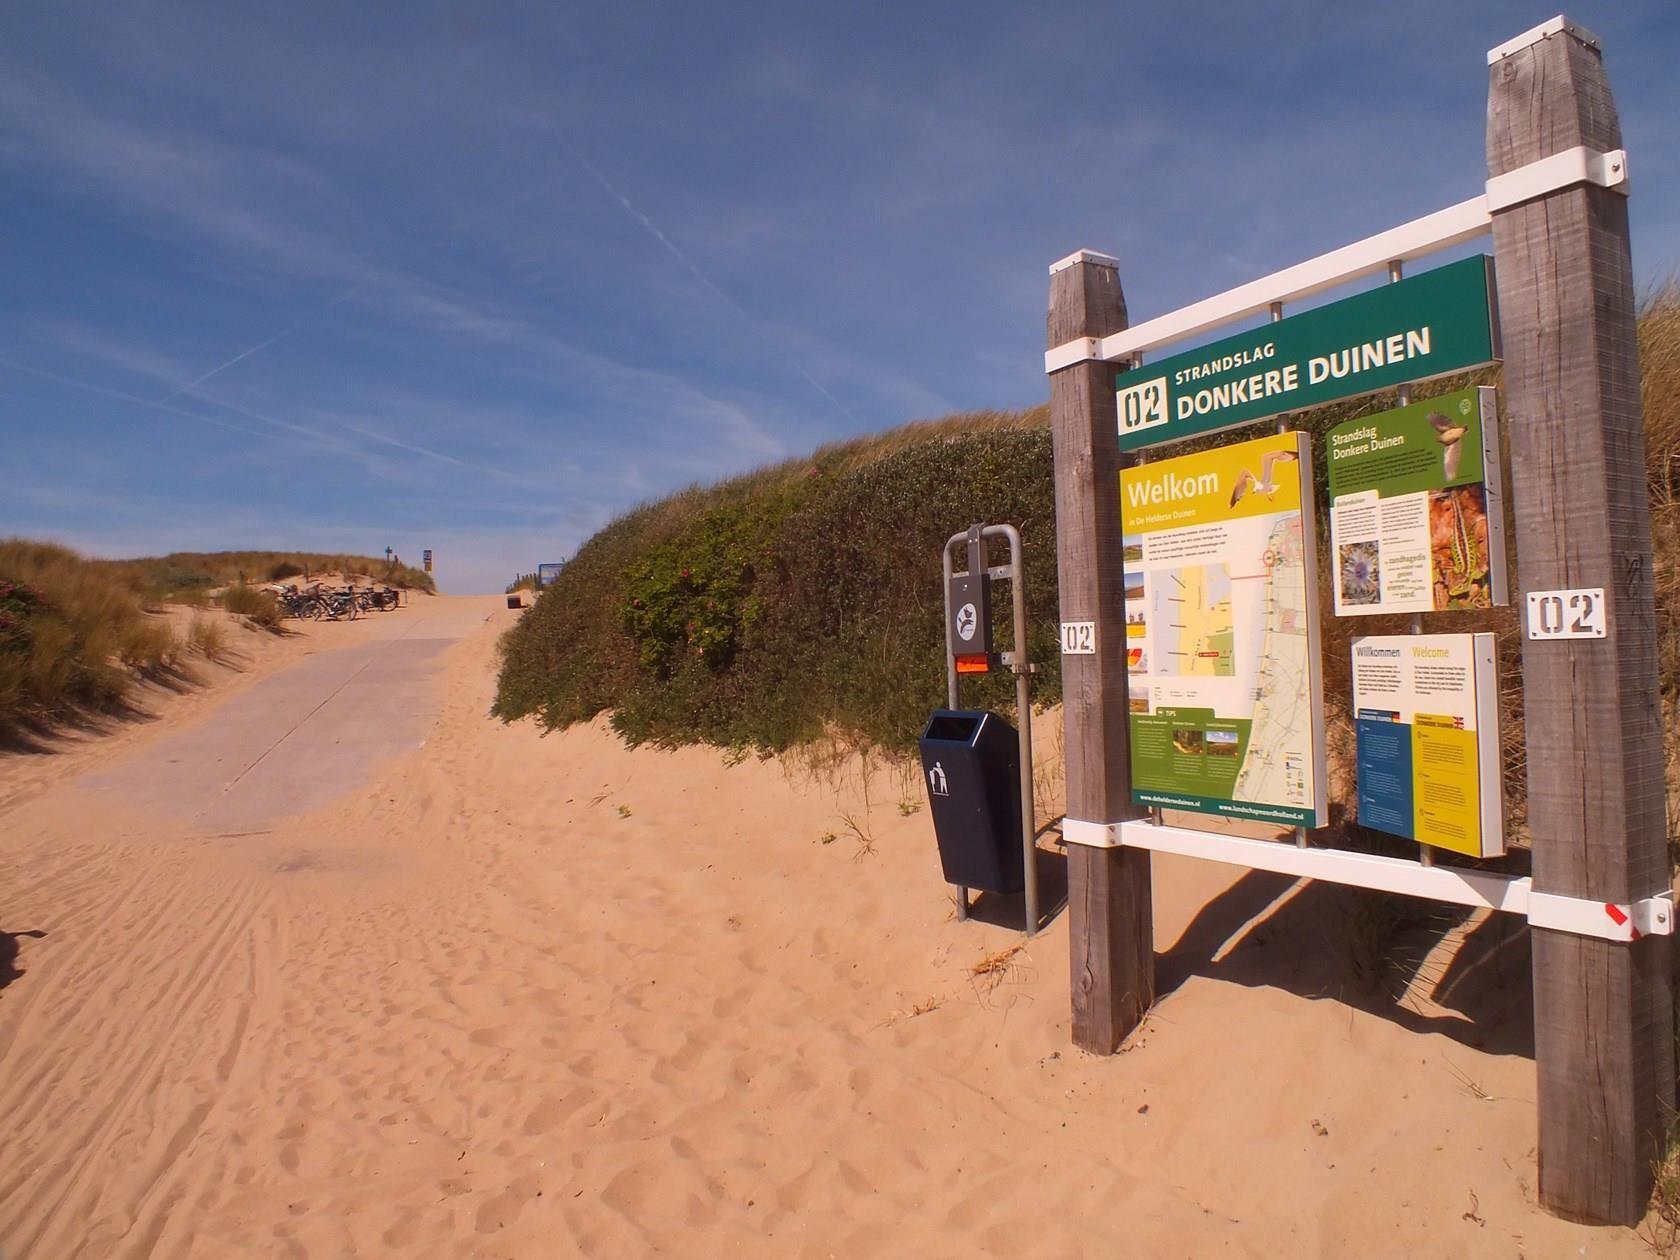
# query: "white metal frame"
1653, 915
1487, 890
1430, 234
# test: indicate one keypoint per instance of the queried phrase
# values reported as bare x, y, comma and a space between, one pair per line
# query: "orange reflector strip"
973, 665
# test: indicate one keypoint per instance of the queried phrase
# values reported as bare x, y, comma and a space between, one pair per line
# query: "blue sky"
479, 278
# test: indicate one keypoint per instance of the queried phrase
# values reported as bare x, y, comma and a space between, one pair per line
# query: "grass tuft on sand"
257, 606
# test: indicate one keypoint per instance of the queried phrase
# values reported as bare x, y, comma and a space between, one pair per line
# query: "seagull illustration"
1263, 484
1448, 434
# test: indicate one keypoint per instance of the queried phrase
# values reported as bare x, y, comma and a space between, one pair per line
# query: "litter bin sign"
971, 768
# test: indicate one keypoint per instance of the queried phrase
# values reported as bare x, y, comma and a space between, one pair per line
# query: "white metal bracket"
1552, 26
1083, 255
1614, 921
1079, 350
1096, 835
1465, 886
1579, 165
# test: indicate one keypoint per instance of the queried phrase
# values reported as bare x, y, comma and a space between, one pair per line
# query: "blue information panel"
1385, 772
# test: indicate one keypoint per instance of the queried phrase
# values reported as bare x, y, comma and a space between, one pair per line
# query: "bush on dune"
761, 612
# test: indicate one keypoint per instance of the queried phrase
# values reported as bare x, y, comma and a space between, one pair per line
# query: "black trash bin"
971, 766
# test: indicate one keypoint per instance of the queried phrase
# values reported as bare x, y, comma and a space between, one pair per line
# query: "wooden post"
1110, 918
1603, 1025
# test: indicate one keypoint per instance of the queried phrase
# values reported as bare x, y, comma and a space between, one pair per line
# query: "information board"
1415, 329
1417, 508
547, 574
1427, 714
1222, 632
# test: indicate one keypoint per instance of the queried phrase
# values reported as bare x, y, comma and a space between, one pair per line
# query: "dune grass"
208, 639
184, 576
1659, 362
257, 606
70, 638
76, 633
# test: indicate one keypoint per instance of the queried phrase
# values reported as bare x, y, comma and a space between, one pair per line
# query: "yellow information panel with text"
1222, 632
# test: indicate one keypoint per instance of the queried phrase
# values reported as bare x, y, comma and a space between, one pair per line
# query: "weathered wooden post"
1604, 1031
1110, 919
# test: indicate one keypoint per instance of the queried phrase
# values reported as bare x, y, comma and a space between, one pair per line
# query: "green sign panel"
1417, 520
1426, 326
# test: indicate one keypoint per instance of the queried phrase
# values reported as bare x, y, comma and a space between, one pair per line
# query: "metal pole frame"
1019, 664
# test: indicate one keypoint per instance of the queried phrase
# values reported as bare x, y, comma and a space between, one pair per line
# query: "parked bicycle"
344, 603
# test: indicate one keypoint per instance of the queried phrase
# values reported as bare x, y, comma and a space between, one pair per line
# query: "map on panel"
1278, 761
1192, 608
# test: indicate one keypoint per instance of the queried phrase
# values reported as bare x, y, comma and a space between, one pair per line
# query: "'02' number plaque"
1079, 638
1578, 614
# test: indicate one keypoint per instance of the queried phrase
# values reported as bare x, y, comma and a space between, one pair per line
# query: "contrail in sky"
245, 354
123, 396
329, 440
695, 271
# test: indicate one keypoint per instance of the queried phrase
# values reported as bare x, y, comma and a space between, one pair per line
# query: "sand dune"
536, 996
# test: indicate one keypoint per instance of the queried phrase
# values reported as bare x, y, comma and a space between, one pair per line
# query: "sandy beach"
494, 993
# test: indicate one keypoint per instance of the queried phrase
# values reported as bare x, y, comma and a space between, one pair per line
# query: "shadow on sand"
9, 970
44, 736
1427, 966
1009, 910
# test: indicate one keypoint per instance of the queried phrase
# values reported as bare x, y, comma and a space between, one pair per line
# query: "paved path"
301, 737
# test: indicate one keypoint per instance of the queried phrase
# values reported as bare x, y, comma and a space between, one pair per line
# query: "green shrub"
285, 569
763, 611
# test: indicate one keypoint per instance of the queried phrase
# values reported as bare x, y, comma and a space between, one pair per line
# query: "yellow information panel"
1427, 714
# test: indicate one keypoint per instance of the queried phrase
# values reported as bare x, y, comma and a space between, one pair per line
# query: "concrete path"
303, 736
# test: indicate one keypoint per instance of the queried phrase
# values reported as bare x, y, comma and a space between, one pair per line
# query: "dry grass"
1659, 367
258, 607
1659, 363
148, 645
1662, 1227
71, 639
185, 576
860, 833
994, 968
207, 638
